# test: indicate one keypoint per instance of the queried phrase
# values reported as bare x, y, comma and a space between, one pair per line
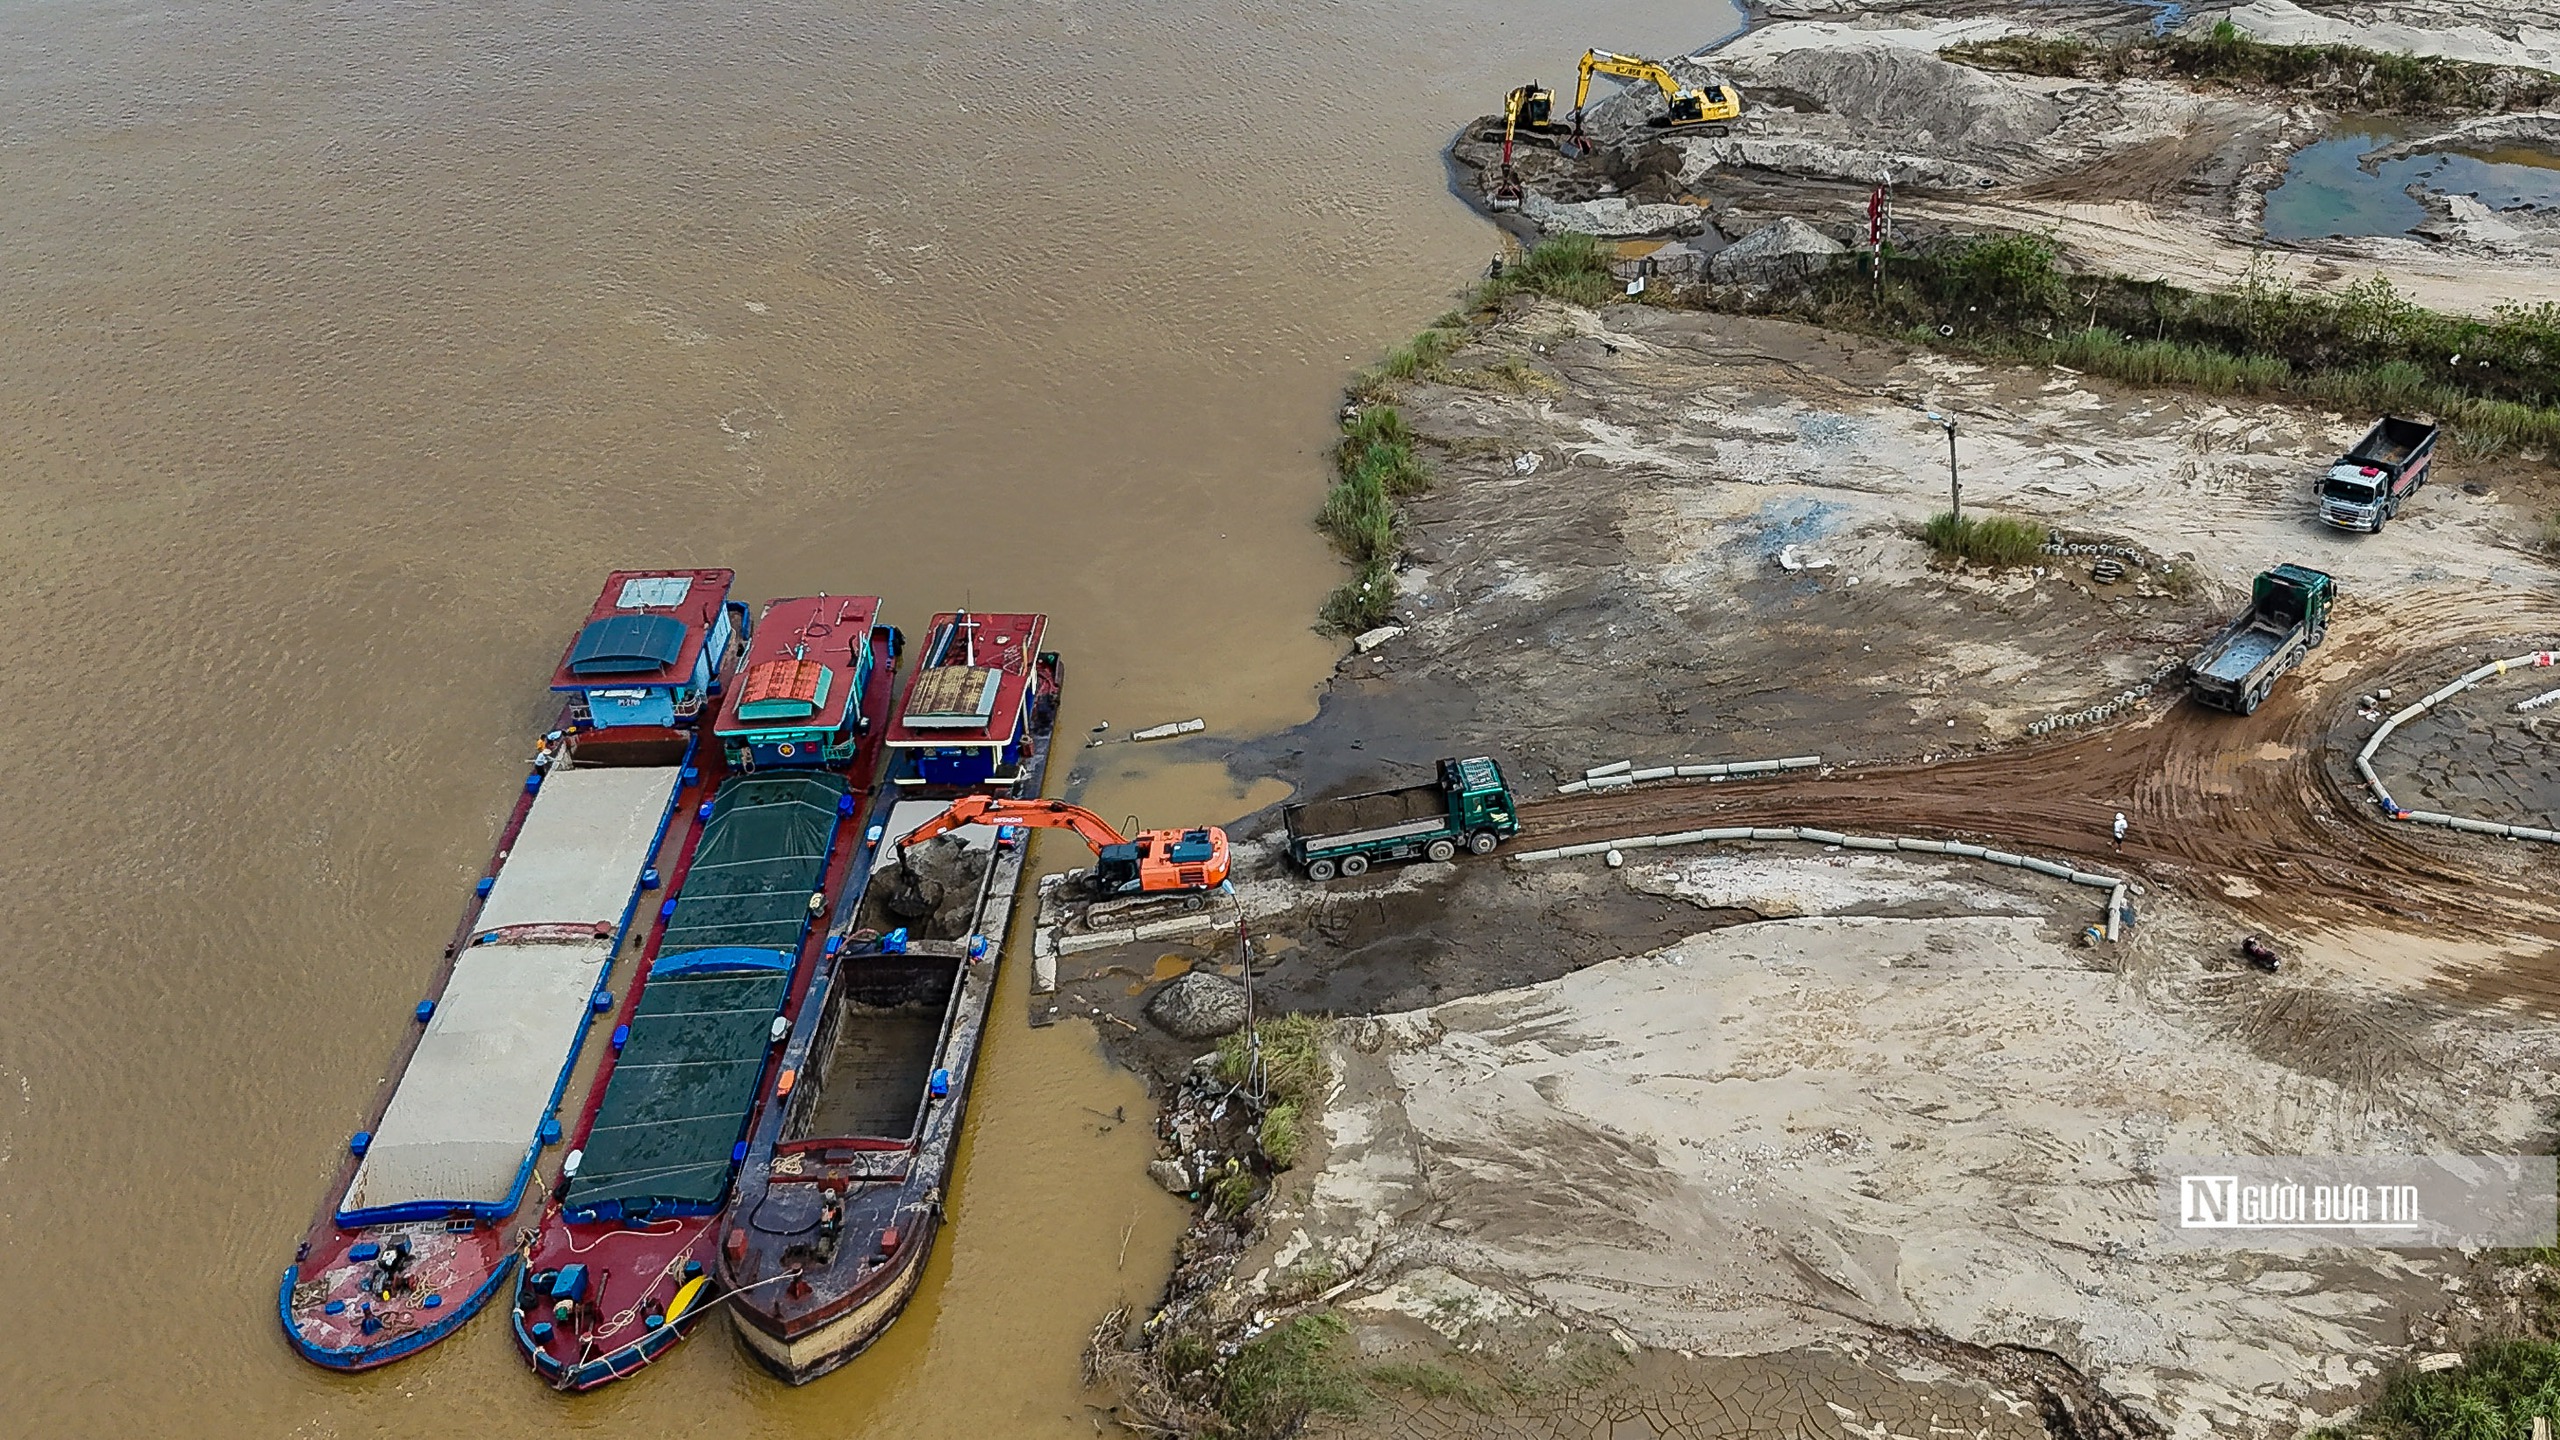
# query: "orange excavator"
1157, 862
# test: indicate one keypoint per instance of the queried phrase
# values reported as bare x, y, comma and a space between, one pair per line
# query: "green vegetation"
1433, 1382
1363, 602
1420, 355
1284, 1375
1374, 466
1232, 1192
1571, 268
2496, 1393
2343, 76
1294, 1077
2492, 383
1186, 1352
1988, 540
1293, 1064
1278, 1134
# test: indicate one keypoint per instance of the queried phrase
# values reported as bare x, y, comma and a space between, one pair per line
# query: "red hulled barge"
841, 1194
617, 1271
414, 1238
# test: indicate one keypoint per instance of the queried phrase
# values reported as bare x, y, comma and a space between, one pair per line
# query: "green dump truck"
1469, 804
2287, 618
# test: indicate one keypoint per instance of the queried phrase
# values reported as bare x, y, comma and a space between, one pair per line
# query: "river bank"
1771, 1137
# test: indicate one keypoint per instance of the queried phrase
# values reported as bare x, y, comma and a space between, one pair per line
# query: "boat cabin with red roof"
798, 700
982, 685
652, 649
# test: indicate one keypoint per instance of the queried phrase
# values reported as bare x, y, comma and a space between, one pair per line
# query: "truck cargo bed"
2242, 654
1358, 818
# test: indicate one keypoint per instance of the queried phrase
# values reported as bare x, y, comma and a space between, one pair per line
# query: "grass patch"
1420, 355
1279, 1136
1373, 425
1510, 375
1360, 519
1294, 1076
1433, 1382
1232, 1192
2170, 362
1987, 540
1293, 1064
2343, 76
2501, 1386
1286, 1374
1363, 602
1374, 466
1571, 268
2493, 383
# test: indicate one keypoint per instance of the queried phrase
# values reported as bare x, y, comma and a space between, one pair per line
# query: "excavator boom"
1156, 861
1000, 810
1685, 107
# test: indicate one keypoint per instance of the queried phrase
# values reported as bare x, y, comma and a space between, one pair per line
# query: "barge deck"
841, 1197
616, 1273
414, 1240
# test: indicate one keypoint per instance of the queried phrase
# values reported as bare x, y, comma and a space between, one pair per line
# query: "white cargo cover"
462, 1124
581, 851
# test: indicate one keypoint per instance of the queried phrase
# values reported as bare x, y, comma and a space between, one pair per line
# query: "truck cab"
1480, 799
2368, 484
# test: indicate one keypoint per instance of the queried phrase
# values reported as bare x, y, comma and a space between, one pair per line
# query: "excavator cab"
1116, 869
1532, 107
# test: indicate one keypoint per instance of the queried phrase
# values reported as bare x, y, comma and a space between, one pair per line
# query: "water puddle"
2329, 190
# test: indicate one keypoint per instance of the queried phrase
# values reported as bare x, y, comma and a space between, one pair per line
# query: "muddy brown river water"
342, 347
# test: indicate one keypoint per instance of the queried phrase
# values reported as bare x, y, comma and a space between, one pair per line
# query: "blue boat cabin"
652, 649
966, 719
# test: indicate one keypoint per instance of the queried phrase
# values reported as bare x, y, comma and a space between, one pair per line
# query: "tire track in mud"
2248, 811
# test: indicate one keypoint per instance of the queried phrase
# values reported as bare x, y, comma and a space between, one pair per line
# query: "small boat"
617, 1271
414, 1238
840, 1198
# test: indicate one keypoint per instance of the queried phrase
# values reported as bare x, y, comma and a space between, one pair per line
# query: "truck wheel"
1355, 864
1482, 842
2318, 634
2249, 701
1319, 869
1439, 850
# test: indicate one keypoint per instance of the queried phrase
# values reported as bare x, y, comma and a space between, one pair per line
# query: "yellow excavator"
1532, 108
1686, 111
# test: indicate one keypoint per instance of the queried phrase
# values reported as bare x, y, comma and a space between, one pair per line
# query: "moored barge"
414, 1238
840, 1198
617, 1271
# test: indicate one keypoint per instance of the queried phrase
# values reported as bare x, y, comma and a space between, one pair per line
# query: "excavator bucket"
1507, 192
911, 896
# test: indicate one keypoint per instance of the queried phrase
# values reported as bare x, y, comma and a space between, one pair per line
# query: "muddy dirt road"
2249, 808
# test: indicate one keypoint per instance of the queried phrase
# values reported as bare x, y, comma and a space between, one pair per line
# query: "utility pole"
1955, 487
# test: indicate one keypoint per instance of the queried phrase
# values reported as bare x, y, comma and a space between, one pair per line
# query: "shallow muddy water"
2327, 190
347, 346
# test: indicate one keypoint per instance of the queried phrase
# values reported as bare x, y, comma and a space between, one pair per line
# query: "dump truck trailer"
2368, 484
2287, 618
1469, 805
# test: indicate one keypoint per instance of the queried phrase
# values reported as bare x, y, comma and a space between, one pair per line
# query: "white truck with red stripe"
2367, 485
